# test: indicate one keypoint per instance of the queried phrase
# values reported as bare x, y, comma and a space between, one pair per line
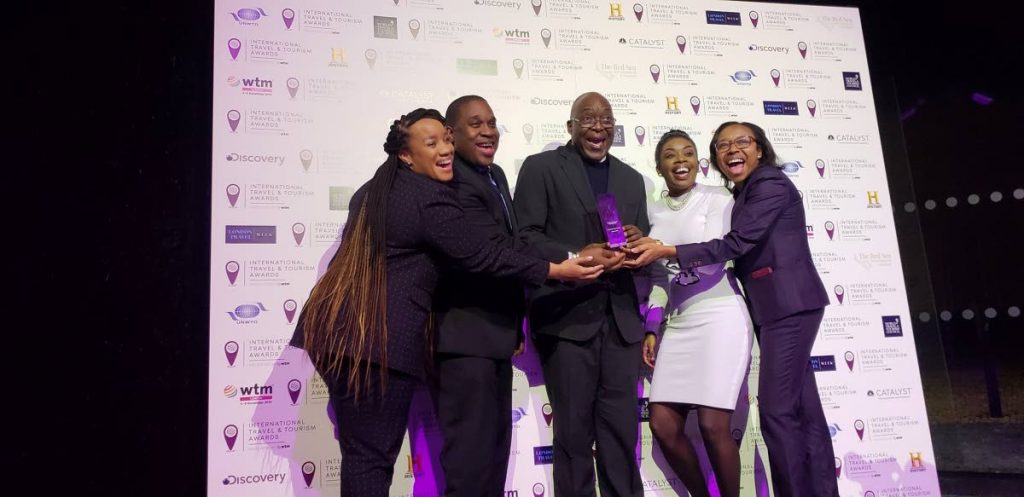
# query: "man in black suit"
588, 335
479, 319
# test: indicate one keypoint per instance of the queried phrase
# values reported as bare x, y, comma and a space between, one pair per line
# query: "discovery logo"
754, 47
254, 479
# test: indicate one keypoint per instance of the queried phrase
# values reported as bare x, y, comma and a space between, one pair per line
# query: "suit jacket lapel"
572, 166
618, 181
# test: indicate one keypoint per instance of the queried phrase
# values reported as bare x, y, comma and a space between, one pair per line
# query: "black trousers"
792, 420
474, 410
370, 430
592, 389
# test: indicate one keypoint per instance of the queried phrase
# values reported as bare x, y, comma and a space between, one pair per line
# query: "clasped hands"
638, 252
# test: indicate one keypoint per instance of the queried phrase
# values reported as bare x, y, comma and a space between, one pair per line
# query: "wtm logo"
247, 394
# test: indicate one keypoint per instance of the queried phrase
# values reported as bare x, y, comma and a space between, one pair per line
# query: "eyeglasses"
741, 142
591, 121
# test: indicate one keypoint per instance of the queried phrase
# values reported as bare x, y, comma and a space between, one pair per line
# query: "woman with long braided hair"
365, 324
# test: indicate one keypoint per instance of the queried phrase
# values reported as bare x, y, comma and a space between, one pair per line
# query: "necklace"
677, 203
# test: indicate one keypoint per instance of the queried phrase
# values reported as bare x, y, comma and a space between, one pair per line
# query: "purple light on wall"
981, 99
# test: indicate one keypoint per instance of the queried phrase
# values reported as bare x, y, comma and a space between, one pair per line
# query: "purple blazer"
768, 243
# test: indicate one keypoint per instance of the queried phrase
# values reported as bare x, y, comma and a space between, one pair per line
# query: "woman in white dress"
706, 329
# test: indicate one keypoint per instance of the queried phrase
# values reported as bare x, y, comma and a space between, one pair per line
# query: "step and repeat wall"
304, 93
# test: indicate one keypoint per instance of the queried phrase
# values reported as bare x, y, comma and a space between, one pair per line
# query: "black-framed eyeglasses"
741, 142
591, 121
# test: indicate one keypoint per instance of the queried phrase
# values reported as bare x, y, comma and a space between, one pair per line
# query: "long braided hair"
346, 314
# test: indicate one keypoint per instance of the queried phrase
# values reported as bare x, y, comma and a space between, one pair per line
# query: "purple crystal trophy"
606, 208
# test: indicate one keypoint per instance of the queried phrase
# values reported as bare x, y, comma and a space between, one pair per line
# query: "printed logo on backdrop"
890, 393
271, 51
821, 363
385, 27
723, 18
250, 395
512, 36
781, 108
252, 86
259, 479
778, 20
308, 473
248, 16
231, 352
619, 136
891, 326
247, 314
544, 454
321, 20
707, 45
234, 48
849, 138
851, 81
244, 158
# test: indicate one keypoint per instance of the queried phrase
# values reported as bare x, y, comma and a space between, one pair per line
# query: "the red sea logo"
695, 104
655, 72
293, 86
294, 389
289, 309
830, 229
812, 106
705, 165
840, 293
802, 47
776, 76
849, 359
298, 232
234, 117
754, 17
538, 490
517, 66
681, 43
288, 16
231, 268
640, 133
414, 27
231, 352
308, 471
545, 36
638, 11
234, 46
536, 6
820, 166
230, 436
858, 425
233, 191
545, 411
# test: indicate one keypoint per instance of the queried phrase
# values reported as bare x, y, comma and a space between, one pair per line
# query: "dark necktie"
497, 191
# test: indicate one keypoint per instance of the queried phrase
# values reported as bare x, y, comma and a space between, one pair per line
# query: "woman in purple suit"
768, 242
365, 324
